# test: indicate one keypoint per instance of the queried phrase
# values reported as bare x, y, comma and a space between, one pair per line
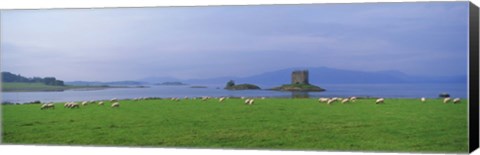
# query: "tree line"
9, 77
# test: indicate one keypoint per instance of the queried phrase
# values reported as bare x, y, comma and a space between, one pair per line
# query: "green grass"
20, 86
404, 125
27, 87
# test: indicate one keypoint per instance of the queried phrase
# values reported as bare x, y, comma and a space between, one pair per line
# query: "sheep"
114, 100
247, 101
345, 100
221, 99
446, 100
47, 106
66, 105
84, 103
330, 101
263, 98
323, 100
423, 99
353, 98
115, 105
205, 98
251, 101
74, 105
380, 100
456, 100
100, 103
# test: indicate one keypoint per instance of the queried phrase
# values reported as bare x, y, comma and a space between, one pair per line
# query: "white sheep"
380, 100
323, 99
100, 103
114, 100
48, 106
263, 98
221, 99
115, 105
330, 101
423, 99
251, 101
353, 98
456, 100
74, 105
66, 105
84, 103
247, 101
446, 100
345, 100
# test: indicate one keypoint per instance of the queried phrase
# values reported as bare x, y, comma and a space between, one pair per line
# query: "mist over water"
333, 90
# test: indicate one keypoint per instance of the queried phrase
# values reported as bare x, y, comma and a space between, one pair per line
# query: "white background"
80, 150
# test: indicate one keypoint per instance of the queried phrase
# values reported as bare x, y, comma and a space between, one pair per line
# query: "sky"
112, 44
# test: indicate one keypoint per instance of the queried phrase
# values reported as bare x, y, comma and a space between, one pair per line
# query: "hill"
326, 75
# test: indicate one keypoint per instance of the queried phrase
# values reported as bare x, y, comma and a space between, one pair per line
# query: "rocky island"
299, 83
231, 86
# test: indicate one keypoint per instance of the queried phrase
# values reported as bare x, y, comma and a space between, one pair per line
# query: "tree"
230, 83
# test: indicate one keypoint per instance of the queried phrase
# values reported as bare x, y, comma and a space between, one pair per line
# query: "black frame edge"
473, 78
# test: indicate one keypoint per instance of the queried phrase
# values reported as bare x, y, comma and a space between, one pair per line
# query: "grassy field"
404, 125
27, 87
20, 86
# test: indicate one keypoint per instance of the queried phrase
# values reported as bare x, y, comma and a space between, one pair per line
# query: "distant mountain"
171, 83
158, 79
325, 75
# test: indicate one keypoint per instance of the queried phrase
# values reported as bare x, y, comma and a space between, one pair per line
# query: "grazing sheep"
66, 105
263, 98
446, 100
221, 99
423, 99
100, 103
47, 106
84, 103
115, 105
251, 101
323, 100
345, 100
380, 100
114, 100
74, 105
353, 98
205, 98
247, 101
456, 100
330, 101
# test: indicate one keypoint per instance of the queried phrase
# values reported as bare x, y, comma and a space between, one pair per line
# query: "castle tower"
300, 77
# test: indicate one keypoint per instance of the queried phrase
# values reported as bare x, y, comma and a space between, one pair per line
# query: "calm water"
338, 90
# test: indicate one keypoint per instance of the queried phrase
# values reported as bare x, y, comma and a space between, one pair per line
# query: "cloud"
202, 42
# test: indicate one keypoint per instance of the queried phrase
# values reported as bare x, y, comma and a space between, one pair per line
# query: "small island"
231, 86
198, 86
171, 84
299, 83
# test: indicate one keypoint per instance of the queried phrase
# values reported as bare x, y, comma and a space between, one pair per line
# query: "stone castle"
300, 77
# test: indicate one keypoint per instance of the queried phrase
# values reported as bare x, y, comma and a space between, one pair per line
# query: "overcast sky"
201, 42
